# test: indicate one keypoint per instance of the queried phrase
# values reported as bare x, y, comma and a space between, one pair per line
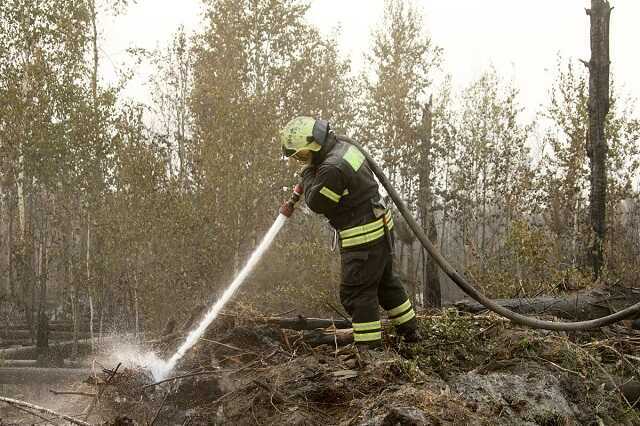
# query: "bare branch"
24, 404
200, 373
55, 392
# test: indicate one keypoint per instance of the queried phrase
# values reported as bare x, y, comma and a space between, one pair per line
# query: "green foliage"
401, 68
451, 341
486, 188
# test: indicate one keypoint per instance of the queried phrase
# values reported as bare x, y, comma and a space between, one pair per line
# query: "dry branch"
55, 392
31, 413
23, 404
112, 374
164, 400
170, 379
274, 394
224, 345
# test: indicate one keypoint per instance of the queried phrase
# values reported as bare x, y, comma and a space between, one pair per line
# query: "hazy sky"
520, 38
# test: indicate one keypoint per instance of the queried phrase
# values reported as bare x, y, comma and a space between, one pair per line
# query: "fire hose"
465, 286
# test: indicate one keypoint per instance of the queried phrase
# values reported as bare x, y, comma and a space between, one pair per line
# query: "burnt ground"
476, 370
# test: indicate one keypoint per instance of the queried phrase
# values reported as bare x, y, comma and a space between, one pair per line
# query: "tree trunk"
72, 290
75, 316
136, 306
579, 306
302, 323
431, 287
91, 336
75, 292
42, 337
432, 295
10, 248
598, 66
412, 273
88, 271
483, 226
330, 338
445, 212
576, 232
101, 323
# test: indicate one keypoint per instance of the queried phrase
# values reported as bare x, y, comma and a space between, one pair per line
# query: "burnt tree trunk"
10, 247
598, 66
431, 286
42, 335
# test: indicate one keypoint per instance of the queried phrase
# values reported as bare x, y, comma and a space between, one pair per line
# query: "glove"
298, 189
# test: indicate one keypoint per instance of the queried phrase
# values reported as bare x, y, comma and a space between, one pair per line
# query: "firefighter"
339, 184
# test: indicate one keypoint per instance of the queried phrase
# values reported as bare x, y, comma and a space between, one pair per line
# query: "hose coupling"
288, 206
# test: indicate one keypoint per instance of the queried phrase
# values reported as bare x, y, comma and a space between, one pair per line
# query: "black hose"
457, 278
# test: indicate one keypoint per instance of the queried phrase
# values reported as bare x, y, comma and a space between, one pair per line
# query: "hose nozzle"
288, 206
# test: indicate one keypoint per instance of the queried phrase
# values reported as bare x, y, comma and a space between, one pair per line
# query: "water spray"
160, 370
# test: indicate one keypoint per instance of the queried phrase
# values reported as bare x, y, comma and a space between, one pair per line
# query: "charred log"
341, 337
579, 306
302, 323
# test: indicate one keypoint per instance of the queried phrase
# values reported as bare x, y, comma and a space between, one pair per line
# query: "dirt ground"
475, 370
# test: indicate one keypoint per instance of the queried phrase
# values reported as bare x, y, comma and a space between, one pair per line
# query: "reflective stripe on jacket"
363, 234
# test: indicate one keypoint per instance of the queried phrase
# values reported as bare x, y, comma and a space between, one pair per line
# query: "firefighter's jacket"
340, 185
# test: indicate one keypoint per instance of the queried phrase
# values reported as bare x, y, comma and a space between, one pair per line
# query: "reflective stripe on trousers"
402, 313
367, 331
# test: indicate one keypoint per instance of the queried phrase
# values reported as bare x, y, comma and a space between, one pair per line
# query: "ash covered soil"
475, 370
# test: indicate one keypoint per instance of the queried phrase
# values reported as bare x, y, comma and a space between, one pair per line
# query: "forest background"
124, 213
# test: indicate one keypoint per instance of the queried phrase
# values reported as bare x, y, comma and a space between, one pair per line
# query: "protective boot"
368, 352
412, 336
409, 332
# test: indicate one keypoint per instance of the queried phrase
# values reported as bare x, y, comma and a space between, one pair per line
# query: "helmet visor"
287, 152
303, 155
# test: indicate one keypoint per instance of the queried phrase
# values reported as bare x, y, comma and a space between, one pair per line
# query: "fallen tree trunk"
30, 352
296, 323
43, 410
302, 323
53, 335
578, 306
53, 326
67, 363
340, 337
62, 348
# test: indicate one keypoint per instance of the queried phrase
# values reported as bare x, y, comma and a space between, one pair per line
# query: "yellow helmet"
303, 133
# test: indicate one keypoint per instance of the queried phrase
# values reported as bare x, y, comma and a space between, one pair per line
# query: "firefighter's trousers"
368, 281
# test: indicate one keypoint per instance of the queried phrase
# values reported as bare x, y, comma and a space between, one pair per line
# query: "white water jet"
130, 356
161, 372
